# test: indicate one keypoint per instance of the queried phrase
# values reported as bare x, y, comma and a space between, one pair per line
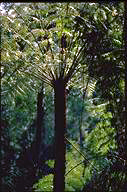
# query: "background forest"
63, 97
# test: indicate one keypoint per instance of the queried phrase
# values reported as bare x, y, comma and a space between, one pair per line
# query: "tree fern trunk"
60, 129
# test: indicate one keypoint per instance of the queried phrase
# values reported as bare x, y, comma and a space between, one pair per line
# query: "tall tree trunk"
125, 45
40, 130
125, 117
60, 129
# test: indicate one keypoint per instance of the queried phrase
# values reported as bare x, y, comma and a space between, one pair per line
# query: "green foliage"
44, 184
49, 114
111, 178
78, 170
74, 180
103, 133
20, 113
